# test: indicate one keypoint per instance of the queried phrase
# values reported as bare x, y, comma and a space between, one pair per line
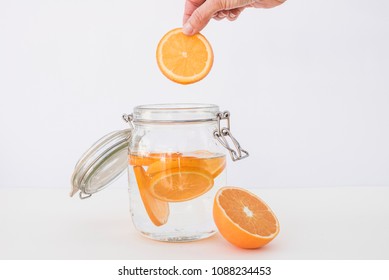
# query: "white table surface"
316, 223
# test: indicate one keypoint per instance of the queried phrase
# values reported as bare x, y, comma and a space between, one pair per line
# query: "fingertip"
200, 17
220, 15
187, 29
233, 14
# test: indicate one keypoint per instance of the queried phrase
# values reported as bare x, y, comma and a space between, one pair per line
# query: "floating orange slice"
158, 211
147, 159
243, 218
180, 184
184, 59
213, 166
141, 160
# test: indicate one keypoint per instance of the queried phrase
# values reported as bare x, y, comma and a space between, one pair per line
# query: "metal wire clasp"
128, 119
222, 134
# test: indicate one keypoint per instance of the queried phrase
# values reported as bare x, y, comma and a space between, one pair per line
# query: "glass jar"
175, 155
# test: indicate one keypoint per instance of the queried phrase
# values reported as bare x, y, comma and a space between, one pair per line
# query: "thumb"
201, 16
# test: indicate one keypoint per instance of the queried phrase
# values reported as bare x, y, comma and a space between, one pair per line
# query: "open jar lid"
101, 164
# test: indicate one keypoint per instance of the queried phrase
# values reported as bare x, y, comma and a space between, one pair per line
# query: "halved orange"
184, 59
243, 218
158, 211
214, 165
180, 184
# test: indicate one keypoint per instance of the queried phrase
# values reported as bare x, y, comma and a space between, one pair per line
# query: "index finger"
190, 7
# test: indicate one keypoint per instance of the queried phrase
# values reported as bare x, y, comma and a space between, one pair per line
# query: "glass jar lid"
101, 164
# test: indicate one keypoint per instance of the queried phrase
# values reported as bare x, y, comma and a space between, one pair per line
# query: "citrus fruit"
138, 160
212, 165
164, 164
184, 59
180, 184
158, 211
215, 165
243, 218
147, 159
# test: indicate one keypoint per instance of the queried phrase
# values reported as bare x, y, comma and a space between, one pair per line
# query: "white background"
306, 83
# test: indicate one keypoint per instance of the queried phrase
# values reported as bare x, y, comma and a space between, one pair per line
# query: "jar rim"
176, 112
176, 106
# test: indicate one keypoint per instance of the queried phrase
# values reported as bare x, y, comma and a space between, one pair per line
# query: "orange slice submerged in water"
158, 211
180, 184
149, 158
213, 166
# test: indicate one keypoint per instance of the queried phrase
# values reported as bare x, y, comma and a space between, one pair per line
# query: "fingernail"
232, 15
187, 29
221, 15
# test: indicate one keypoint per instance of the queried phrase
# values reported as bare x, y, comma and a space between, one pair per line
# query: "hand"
198, 13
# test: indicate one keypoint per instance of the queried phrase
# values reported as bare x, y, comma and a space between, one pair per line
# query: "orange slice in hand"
158, 211
243, 218
180, 184
184, 59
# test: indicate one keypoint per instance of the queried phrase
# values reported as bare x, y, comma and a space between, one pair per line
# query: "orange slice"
147, 159
180, 184
158, 211
214, 166
141, 160
165, 164
184, 59
243, 218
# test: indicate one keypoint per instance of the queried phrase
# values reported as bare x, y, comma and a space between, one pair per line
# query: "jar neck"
179, 113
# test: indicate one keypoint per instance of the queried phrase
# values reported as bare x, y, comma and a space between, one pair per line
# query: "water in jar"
171, 194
